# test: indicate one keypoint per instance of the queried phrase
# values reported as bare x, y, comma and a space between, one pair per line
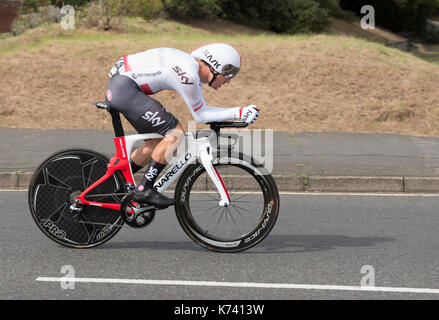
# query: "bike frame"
197, 149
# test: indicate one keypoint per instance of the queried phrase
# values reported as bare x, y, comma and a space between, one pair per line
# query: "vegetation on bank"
408, 17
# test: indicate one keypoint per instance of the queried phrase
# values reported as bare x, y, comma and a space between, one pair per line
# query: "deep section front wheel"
56, 184
253, 210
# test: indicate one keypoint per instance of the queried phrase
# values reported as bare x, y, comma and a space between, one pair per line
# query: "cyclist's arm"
203, 113
209, 114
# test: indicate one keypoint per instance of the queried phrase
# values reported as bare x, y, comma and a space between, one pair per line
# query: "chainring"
134, 214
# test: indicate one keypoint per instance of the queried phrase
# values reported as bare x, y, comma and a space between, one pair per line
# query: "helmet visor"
229, 71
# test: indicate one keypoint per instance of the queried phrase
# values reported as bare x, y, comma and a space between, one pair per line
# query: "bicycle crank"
135, 214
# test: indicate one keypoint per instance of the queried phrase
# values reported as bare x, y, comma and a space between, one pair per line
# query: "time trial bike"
224, 201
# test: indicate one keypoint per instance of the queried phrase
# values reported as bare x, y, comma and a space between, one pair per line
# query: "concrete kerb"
285, 183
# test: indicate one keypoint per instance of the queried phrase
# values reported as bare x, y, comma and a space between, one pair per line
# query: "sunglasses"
228, 72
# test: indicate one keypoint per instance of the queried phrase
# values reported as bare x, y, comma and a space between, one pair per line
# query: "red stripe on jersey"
199, 107
240, 113
126, 64
145, 88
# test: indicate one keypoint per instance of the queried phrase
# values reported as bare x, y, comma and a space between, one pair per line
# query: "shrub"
183, 9
283, 16
47, 14
146, 9
333, 6
297, 16
105, 14
403, 16
28, 6
74, 3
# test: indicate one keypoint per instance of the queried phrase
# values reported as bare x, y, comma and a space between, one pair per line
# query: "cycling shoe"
153, 197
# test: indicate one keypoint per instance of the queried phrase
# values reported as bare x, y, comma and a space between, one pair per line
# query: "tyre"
253, 209
56, 184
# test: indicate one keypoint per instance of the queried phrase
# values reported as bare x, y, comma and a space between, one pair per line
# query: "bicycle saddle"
102, 105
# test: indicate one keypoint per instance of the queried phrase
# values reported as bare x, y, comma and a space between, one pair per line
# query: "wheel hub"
74, 195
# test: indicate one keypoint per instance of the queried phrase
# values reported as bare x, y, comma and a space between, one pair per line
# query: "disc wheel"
55, 185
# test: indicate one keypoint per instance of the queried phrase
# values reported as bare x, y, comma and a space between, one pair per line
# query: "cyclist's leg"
125, 96
167, 147
145, 191
146, 115
142, 155
161, 149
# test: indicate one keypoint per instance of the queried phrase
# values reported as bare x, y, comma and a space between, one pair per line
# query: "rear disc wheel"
56, 184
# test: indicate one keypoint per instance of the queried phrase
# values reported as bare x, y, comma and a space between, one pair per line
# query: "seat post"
117, 123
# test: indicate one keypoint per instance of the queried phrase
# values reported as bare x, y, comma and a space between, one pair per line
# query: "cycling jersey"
171, 69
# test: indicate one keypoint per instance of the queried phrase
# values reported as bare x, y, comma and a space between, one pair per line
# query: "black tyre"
249, 218
54, 187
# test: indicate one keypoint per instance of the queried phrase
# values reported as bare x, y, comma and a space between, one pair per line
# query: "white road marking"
240, 285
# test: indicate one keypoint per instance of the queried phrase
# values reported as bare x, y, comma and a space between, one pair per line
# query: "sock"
152, 171
134, 166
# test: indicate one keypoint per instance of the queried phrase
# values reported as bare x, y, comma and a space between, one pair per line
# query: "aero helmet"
222, 57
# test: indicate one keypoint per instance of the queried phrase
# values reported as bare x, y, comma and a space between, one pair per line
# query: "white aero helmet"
222, 57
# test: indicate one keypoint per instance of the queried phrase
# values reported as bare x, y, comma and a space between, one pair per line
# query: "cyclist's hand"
249, 114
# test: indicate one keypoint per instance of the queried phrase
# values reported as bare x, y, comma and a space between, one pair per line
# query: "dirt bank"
318, 83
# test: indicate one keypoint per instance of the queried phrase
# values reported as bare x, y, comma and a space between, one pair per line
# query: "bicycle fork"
206, 158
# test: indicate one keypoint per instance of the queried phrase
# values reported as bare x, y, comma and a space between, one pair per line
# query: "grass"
302, 83
135, 29
432, 58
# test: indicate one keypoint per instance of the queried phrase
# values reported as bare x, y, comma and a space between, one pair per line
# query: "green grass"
430, 57
135, 29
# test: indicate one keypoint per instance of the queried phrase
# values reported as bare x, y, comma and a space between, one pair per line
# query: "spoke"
236, 225
216, 200
240, 197
211, 198
233, 192
237, 211
231, 216
217, 210
202, 211
214, 206
220, 218
234, 205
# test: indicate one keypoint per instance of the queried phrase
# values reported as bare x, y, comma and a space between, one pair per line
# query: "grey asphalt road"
335, 240
327, 154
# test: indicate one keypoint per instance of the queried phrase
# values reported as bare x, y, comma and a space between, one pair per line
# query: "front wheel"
253, 210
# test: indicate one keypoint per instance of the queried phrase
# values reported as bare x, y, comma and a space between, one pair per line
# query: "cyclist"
134, 78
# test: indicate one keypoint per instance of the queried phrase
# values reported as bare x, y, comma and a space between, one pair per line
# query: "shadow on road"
155, 245
276, 243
